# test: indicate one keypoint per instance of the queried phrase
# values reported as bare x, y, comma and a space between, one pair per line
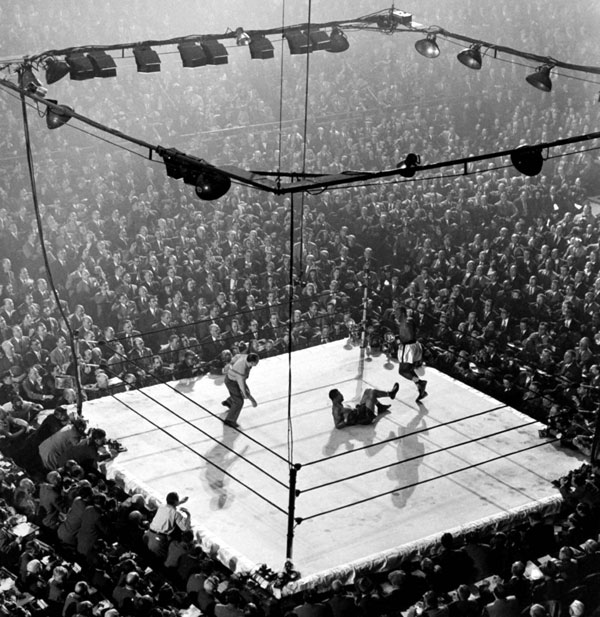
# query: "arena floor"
237, 481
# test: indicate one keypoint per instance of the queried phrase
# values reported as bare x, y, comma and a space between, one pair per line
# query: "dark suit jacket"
210, 348
503, 608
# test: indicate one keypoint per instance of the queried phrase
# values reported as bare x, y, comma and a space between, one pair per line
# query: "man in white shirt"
168, 518
236, 382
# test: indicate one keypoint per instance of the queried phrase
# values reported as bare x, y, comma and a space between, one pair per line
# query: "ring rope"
188, 447
390, 439
413, 484
418, 456
197, 404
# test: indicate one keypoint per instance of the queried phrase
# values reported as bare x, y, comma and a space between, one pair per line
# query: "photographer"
12, 432
89, 452
94, 526
52, 448
50, 505
189, 367
580, 485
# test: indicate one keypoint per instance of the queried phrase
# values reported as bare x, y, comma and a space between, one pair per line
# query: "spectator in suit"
11, 360
140, 357
456, 565
341, 603
59, 356
503, 605
160, 332
213, 345
463, 606
310, 606
539, 536
33, 390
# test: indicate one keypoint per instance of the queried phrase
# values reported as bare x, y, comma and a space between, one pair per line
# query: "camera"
115, 445
101, 607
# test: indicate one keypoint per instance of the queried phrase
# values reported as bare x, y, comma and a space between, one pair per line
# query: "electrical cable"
40, 229
280, 136
290, 428
383, 21
327, 181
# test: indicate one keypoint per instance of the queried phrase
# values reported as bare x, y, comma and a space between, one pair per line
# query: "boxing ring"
337, 502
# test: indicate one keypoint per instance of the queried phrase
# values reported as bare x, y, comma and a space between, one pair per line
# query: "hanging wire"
290, 428
290, 431
281, 88
40, 227
509, 60
337, 181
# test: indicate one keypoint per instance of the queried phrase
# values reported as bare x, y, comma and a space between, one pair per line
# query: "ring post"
291, 509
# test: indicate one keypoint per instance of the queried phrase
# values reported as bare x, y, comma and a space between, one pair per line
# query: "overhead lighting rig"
209, 182
213, 182
83, 63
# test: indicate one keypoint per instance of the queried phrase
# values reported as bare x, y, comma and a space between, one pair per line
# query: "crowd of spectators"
75, 545
500, 271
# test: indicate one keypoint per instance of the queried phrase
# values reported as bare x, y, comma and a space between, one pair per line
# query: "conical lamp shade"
527, 160
541, 79
428, 47
57, 117
210, 184
470, 58
338, 43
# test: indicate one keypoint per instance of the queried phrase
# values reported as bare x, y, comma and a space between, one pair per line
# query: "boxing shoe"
382, 408
422, 392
